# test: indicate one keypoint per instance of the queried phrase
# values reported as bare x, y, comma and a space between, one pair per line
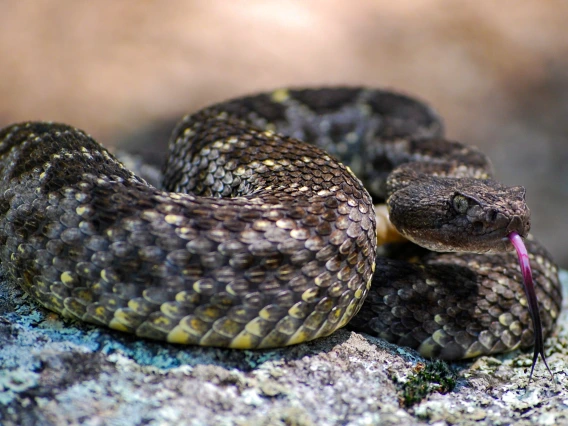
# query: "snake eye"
460, 203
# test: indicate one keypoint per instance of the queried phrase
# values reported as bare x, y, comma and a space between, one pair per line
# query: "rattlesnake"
260, 240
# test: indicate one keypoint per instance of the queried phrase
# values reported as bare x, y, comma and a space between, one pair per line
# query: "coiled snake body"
267, 241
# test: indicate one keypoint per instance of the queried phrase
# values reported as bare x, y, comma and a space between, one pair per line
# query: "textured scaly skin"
287, 255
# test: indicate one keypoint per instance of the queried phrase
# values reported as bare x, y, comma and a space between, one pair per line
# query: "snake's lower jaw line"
497, 241
506, 242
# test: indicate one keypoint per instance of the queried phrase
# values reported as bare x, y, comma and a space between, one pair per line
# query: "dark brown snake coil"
268, 241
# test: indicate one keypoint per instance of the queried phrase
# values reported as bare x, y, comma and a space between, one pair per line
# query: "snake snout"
520, 225
518, 213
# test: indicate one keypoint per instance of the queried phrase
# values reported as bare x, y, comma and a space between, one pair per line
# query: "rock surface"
59, 372
496, 71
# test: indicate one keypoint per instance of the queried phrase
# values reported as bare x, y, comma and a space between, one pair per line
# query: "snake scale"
261, 238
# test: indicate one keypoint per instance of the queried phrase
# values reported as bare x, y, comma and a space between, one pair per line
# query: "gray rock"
59, 372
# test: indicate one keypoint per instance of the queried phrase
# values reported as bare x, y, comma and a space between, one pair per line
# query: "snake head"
466, 214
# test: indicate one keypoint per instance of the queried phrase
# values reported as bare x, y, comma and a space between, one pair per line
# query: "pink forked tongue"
523, 255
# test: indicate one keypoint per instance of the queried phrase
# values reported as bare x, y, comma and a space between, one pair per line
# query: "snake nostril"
492, 216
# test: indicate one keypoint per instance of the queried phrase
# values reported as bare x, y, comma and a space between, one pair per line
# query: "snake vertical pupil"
460, 204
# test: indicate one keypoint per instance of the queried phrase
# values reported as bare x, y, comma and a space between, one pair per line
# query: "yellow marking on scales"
298, 337
161, 320
193, 326
243, 340
280, 95
174, 219
229, 289
296, 311
178, 335
254, 327
169, 309
116, 322
429, 347
66, 277
310, 294
134, 305
265, 314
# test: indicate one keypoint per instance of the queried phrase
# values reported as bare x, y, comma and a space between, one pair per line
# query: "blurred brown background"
124, 69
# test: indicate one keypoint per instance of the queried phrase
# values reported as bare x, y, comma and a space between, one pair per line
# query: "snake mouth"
520, 225
500, 240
